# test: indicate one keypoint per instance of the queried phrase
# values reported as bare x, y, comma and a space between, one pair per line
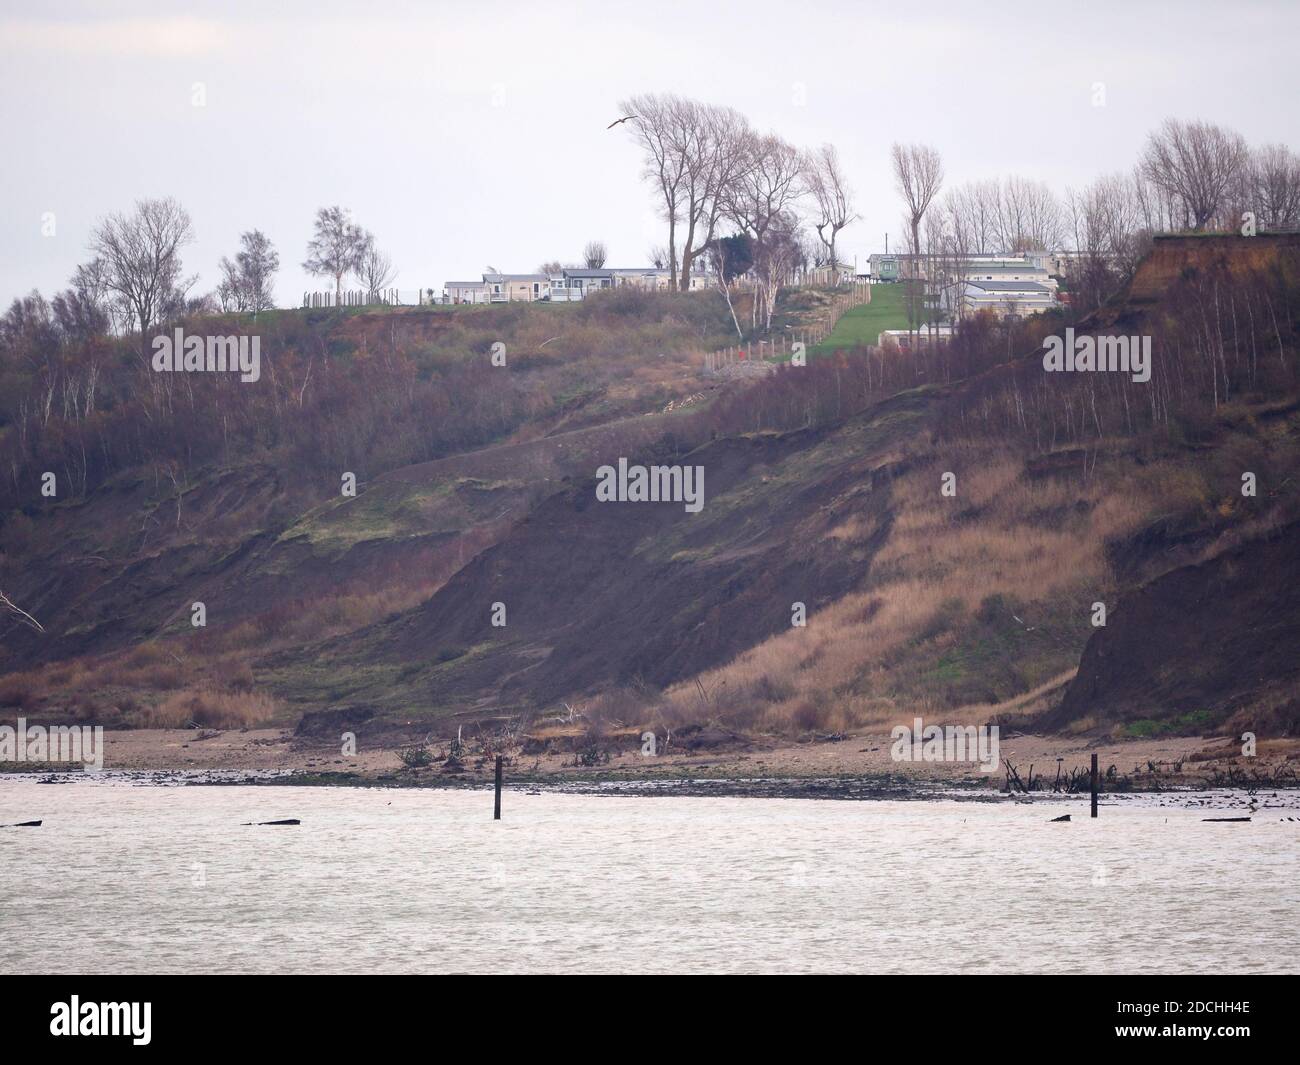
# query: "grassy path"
863, 325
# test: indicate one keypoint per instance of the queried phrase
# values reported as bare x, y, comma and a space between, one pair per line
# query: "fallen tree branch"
7, 602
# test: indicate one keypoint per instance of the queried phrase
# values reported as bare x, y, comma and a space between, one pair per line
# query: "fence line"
762, 350
352, 298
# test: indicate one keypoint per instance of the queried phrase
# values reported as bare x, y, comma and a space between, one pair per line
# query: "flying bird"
620, 121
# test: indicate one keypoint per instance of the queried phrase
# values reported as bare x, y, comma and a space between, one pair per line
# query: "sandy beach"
1138, 764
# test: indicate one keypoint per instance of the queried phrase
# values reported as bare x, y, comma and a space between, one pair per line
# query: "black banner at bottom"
337, 1013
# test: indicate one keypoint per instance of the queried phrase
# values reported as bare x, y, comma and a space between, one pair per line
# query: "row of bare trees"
135, 280
1221, 333
1191, 176
717, 179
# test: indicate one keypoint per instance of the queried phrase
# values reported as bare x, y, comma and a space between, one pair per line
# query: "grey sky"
470, 134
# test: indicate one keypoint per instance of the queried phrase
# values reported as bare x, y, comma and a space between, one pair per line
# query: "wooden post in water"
1094, 782
496, 809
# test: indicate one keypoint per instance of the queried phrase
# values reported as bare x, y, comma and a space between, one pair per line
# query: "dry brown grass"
1022, 707
19, 690
209, 708
307, 621
207, 674
1030, 540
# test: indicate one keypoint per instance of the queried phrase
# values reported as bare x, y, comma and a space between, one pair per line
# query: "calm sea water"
124, 879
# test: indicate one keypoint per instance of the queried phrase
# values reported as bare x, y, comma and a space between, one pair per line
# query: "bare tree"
141, 260
258, 262
374, 269
594, 254
1196, 163
336, 248
230, 287
918, 175
694, 152
765, 187
1029, 216
948, 236
245, 283
717, 155
777, 257
834, 201
1156, 206
972, 215
96, 309
656, 127
1110, 237
1273, 186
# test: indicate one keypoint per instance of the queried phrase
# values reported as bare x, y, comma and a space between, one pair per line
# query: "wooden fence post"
1094, 785
496, 810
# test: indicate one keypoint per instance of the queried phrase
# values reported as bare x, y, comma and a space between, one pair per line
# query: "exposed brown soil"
1219, 638
600, 594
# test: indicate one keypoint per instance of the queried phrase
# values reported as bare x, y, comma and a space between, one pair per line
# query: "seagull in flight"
620, 121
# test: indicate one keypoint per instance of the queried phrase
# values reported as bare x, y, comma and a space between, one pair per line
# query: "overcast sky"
471, 134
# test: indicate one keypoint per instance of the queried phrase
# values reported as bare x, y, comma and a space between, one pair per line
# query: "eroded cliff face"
1201, 645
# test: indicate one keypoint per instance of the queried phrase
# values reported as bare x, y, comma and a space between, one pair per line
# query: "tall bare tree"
693, 154
140, 257
834, 200
918, 175
657, 127
594, 254
718, 153
1197, 163
766, 184
336, 247
950, 241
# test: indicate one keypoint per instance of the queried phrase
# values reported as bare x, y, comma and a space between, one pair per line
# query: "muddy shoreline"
1180, 770
1281, 803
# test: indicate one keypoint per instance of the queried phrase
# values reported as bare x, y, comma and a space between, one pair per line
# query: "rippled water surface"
146, 879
